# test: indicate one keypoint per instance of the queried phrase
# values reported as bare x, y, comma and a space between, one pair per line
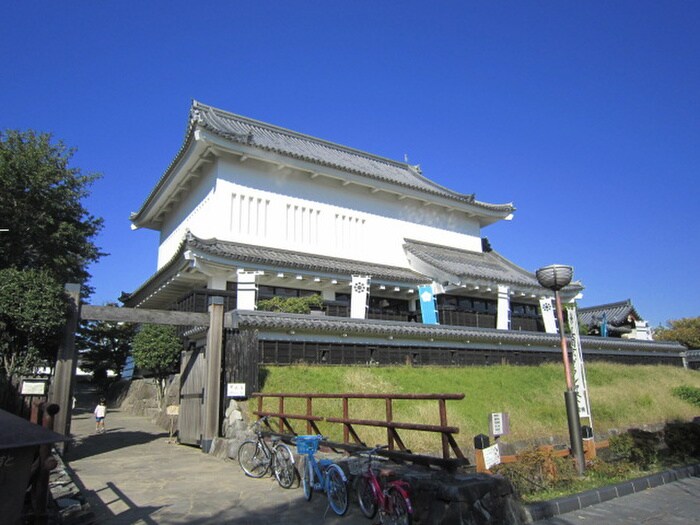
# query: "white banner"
550, 323
580, 385
358, 299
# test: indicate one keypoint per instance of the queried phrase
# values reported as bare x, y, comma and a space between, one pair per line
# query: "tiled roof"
263, 255
306, 324
616, 313
469, 266
259, 257
304, 147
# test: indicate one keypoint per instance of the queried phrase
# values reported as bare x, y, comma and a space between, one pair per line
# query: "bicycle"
390, 498
322, 474
256, 457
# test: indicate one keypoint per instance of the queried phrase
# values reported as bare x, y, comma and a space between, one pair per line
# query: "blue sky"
585, 115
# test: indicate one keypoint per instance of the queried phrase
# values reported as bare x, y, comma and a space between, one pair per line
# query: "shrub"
636, 446
687, 393
538, 469
293, 305
682, 439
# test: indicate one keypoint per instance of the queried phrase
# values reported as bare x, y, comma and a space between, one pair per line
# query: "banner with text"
580, 384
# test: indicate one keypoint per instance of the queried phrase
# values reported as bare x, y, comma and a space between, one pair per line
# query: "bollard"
481, 441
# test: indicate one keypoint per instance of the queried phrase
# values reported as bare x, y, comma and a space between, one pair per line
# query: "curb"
548, 509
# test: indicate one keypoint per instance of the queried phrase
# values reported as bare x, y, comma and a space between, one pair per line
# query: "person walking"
100, 413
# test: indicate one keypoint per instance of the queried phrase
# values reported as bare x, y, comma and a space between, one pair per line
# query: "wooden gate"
193, 373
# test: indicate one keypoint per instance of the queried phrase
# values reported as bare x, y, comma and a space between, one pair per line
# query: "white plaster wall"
194, 212
257, 203
261, 204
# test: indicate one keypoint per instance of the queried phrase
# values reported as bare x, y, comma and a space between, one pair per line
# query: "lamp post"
555, 277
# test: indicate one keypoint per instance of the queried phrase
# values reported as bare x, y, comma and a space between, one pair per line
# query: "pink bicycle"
389, 497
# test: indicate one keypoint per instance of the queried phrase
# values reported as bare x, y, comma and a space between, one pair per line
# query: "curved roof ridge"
405, 175
293, 133
626, 302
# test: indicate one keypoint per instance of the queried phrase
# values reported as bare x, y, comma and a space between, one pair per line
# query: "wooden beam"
143, 315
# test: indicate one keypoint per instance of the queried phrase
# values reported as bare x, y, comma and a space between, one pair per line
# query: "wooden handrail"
350, 435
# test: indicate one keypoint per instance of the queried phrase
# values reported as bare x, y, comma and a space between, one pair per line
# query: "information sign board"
235, 390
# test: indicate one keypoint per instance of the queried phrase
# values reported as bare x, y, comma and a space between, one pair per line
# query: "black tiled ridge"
547, 509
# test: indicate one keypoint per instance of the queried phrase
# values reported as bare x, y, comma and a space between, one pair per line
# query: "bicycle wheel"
307, 478
336, 489
398, 513
366, 497
284, 465
253, 459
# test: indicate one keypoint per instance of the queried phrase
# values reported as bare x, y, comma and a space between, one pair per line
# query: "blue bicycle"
322, 474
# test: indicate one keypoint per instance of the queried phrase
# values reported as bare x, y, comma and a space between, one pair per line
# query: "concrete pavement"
131, 474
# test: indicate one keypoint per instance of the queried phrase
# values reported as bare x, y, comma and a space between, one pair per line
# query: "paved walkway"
132, 475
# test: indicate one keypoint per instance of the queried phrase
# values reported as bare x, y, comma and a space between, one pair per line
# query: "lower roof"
180, 274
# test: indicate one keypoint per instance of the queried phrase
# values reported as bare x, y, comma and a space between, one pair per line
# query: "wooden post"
589, 449
66, 363
212, 392
480, 462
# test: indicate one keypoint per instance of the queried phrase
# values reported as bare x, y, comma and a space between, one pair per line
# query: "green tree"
41, 209
686, 331
32, 316
104, 345
157, 348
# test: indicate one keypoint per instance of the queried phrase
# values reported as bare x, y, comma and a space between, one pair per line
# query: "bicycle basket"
307, 444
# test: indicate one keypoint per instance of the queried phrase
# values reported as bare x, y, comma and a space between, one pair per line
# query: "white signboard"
492, 456
235, 390
36, 387
499, 423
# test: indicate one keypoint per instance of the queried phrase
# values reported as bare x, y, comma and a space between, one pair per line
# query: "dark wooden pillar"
64, 376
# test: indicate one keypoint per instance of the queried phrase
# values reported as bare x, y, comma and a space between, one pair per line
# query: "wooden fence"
351, 438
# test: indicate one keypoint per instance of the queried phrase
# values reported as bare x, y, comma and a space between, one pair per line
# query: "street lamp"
555, 277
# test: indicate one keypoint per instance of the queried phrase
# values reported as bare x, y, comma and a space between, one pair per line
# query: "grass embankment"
621, 396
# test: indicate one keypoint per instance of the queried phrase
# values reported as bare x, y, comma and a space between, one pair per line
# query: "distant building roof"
617, 314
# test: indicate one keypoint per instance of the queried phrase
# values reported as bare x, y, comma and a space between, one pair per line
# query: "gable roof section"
267, 137
616, 313
469, 266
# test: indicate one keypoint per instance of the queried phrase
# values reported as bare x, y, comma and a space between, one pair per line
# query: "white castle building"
249, 211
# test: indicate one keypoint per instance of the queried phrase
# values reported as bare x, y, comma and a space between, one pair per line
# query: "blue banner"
428, 306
